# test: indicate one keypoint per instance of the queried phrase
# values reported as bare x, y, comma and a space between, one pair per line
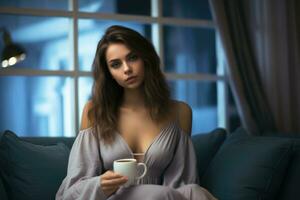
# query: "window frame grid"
156, 20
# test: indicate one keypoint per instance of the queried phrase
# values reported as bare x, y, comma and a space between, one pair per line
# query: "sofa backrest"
254, 167
3, 194
291, 184
46, 141
206, 146
211, 150
32, 168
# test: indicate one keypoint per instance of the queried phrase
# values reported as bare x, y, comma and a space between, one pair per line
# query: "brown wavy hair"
107, 94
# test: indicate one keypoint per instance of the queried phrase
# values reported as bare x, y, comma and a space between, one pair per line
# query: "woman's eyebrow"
130, 54
112, 60
117, 59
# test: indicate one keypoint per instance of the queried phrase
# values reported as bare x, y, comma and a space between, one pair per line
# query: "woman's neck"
133, 99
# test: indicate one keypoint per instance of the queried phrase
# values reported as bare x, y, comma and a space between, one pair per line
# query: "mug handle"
145, 170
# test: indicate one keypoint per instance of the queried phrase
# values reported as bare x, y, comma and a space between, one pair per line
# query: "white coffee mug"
129, 167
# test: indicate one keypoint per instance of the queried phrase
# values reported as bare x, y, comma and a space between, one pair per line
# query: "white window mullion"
196, 76
157, 32
74, 35
222, 89
110, 16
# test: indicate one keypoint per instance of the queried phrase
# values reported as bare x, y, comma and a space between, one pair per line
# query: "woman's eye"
133, 58
115, 65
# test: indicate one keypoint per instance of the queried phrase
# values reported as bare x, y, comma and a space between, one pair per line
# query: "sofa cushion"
48, 141
2, 190
290, 186
248, 167
206, 145
31, 171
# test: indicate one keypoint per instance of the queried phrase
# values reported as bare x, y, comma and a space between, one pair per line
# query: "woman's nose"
127, 68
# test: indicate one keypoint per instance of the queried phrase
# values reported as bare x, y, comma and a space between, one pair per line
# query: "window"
44, 95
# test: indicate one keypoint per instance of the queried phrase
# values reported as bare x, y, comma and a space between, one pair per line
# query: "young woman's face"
125, 66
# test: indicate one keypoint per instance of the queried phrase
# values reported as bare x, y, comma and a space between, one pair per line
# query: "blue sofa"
232, 166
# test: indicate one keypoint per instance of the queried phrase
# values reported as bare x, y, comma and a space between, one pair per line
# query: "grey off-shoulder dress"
170, 159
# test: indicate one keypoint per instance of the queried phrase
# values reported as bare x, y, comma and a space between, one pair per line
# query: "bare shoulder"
85, 121
183, 107
184, 112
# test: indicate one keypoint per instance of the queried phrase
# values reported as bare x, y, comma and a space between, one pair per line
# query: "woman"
131, 112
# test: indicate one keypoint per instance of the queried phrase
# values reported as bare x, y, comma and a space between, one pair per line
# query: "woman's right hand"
111, 181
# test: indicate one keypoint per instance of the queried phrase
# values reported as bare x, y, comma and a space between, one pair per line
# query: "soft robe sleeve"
84, 170
183, 168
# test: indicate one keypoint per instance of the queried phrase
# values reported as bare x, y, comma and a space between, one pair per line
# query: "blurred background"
43, 93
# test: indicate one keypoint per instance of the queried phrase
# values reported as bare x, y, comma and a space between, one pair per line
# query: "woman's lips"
131, 79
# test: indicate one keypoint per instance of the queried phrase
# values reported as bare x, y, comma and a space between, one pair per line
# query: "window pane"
90, 32
37, 106
133, 7
201, 96
85, 92
44, 4
45, 40
194, 9
189, 50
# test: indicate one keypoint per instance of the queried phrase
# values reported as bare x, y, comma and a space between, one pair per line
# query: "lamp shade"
12, 53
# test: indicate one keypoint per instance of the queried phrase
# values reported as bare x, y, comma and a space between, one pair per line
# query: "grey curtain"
261, 39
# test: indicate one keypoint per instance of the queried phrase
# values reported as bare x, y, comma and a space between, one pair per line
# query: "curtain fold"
261, 43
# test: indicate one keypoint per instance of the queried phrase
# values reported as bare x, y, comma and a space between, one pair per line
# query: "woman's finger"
113, 182
111, 176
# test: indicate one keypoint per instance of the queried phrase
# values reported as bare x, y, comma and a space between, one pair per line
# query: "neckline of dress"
160, 133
